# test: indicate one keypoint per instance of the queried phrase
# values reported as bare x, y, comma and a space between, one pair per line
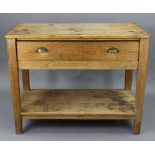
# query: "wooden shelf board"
77, 104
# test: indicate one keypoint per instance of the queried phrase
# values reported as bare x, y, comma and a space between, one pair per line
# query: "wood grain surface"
26, 80
78, 50
77, 31
140, 84
128, 79
14, 80
91, 65
78, 103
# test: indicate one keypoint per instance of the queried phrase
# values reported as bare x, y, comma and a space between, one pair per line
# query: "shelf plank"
78, 104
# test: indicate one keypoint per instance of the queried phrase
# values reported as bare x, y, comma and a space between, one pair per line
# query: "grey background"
76, 130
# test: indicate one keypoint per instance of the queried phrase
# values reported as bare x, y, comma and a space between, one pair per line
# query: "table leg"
26, 81
128, 79
140, 84
15, 88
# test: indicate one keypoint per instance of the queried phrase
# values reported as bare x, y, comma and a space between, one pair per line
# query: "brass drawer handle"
42, 50
112, 50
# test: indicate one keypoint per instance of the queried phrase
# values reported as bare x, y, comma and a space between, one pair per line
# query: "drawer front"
77, 50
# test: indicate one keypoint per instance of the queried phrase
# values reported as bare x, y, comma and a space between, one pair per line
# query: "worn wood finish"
77, 31
14, 78
78, 50
26, 80
140, 83
78, 64
78, 103
78, 46
128, 79
77, 117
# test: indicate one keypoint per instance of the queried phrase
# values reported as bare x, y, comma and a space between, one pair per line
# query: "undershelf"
77, 104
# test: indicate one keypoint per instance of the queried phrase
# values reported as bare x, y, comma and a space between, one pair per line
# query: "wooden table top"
77, 31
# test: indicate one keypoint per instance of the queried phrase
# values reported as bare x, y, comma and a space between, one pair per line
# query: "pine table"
84, 46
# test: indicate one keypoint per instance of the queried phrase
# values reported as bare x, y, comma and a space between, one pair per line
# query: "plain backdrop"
76, 130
